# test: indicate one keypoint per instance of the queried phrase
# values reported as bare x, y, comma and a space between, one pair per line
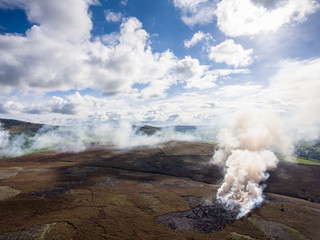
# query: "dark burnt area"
203, 218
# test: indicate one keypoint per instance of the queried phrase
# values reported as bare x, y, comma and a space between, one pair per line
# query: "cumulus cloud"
252, 17
195, 12
245, 17
111, 39
10, 107
200, 76
231, 53
50, 54
112, 16
190, 108
197, 37
195, 75
58, 54
118, 67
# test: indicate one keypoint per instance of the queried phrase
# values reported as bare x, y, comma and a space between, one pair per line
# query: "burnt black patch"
50, 193
203, 218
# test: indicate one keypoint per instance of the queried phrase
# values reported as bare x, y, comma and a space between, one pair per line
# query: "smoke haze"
120, 135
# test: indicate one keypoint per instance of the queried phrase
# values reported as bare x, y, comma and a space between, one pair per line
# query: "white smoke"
11, 145
246, 153
4, 138
121, 135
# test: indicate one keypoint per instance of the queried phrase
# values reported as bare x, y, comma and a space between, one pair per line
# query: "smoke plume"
246, 151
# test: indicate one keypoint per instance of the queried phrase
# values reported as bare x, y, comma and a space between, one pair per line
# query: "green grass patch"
299, 160
304, 144
307, 161
40, 150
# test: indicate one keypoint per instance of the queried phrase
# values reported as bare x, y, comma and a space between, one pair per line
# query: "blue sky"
162, 62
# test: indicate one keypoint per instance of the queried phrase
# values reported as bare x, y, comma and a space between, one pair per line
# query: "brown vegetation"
108, 194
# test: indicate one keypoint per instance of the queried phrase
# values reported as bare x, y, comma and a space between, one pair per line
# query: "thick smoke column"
246, 153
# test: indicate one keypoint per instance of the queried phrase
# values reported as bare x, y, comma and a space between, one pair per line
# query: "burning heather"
246, 154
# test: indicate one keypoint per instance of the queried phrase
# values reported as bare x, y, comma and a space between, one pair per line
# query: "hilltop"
17, 127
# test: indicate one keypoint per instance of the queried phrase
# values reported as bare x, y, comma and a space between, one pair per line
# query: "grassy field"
40, 150
307, 161
299, 160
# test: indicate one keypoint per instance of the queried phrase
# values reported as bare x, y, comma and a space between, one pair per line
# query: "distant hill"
148, 130
182, 128
17, 127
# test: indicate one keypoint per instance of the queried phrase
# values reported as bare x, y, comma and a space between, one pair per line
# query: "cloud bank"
253, 17
58, 53
245, 17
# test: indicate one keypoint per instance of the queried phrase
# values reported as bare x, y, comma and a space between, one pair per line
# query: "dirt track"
108, 194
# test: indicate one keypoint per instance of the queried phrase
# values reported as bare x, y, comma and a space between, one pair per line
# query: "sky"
165, 62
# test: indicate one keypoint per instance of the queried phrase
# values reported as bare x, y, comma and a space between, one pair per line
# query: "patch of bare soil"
8, 192
60, 230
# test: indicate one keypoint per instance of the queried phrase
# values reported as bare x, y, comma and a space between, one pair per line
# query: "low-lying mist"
120, 135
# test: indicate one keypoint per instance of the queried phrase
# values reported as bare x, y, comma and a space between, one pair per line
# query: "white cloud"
57, 53
231, 53
111, 38
245, 17
124, 2
51, 53
294, 92
10, 107
197, 37
199, 76
112, 16
195, 75
232, 91
196, 12
297, 84
252, 17
188, 3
